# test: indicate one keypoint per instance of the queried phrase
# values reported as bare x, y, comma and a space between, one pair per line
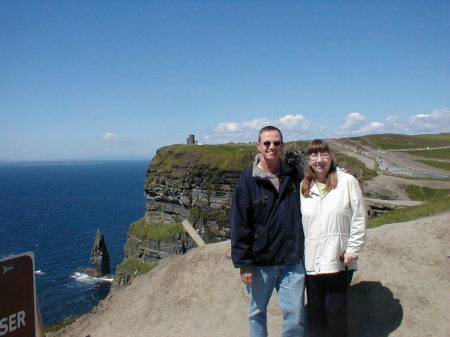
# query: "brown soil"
401, 290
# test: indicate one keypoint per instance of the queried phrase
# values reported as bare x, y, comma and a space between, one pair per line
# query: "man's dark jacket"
266, 225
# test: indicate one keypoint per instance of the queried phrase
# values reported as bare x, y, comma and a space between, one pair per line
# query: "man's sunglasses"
275, 143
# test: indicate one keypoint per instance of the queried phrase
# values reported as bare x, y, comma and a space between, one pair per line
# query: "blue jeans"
289, 281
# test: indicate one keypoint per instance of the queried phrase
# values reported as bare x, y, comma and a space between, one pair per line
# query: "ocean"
55, 210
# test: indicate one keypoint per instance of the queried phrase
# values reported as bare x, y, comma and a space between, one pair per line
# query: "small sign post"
17, 296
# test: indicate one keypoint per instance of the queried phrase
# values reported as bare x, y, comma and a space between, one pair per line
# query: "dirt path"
401, 290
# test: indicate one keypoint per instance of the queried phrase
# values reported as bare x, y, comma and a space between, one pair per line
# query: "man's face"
270, 145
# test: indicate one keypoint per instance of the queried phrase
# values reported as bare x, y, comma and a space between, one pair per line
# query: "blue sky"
119, 79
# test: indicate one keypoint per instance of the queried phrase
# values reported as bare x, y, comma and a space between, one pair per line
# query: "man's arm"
241, 231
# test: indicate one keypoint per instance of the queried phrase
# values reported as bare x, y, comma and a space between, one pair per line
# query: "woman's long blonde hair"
315, 147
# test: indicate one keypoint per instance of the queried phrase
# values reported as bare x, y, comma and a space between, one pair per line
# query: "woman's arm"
358, 222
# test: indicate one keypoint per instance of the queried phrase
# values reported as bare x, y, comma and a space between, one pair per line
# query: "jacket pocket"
259, 207
260, 240
259, 218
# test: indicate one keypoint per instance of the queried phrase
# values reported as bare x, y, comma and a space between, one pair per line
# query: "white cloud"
292, 126
434, 122
355, 124
227, 127
373, 127
294, 122
354, 121
256, 124
296, 127
116, 138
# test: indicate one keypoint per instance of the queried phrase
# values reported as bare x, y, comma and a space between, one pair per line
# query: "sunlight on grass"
437, 201
437, 164
429, 208
133, 266
155, 231
435, 153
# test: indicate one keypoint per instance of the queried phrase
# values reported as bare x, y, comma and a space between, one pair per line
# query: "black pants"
327, 304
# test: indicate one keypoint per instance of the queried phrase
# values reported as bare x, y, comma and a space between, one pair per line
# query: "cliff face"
193, 182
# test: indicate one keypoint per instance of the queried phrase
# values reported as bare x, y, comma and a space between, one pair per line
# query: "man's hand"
349, 258
247, 275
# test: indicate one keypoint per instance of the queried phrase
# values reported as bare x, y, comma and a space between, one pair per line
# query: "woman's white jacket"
334, 224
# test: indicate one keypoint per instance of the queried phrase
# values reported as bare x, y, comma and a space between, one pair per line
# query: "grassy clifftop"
154, 231
236, 157
221, 157
396, 141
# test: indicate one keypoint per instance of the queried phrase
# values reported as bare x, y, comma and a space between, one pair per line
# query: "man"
267, 236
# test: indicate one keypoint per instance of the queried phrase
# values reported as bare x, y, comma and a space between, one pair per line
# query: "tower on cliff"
191, 140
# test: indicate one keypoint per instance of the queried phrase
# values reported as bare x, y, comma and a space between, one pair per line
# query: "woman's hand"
349, 258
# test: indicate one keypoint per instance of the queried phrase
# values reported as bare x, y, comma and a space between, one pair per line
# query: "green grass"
296, 146
133, 266
398, 141
155, 231
355, 167
220, 157
436, 153
429, 208
437, 164
216, 157
61, 324
436, 201
423, 193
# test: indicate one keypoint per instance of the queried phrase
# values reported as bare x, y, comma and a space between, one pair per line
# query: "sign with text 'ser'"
17, 296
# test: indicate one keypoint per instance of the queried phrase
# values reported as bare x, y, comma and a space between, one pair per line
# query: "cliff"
187, 182
193, 182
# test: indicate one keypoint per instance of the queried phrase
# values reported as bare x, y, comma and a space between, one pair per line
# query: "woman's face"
320, 162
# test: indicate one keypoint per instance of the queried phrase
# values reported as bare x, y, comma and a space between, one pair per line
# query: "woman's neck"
322, 178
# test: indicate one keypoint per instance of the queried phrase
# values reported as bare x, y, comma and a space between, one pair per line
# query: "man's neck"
270, 166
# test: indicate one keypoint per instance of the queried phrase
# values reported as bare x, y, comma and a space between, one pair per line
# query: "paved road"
389, 162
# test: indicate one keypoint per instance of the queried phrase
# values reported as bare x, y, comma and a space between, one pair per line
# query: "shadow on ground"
373, 310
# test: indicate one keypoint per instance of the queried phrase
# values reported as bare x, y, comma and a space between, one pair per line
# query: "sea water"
54, 210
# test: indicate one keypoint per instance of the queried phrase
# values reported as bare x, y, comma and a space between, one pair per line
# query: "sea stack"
100, 255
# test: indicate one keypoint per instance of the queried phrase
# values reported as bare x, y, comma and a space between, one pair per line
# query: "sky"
84, 80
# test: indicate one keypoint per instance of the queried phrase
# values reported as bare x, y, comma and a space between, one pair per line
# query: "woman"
334, 222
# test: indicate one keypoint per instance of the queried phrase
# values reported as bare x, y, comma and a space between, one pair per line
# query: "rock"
100, 255
89, 271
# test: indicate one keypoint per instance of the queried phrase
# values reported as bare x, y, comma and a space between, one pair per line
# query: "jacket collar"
257, 172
